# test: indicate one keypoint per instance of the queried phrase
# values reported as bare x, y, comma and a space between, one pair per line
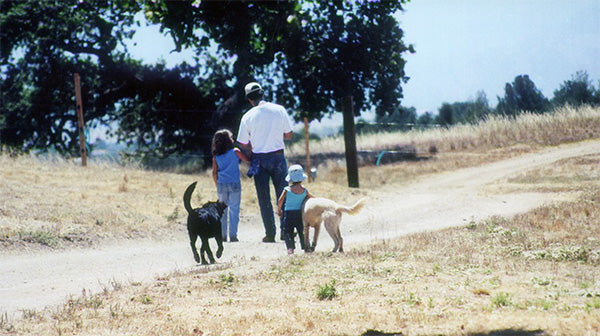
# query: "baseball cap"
295, 174
253, 87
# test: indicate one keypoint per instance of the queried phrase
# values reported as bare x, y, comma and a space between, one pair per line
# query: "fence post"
307, 150
82, 147
350, 142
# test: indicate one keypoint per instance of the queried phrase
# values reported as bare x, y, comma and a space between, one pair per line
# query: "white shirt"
263, 126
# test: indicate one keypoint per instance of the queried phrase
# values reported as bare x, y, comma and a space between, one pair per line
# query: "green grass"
327, 291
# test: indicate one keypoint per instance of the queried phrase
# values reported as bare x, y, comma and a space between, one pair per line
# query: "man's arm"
288, 135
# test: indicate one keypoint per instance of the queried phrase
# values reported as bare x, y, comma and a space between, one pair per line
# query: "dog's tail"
353, 209
187, 196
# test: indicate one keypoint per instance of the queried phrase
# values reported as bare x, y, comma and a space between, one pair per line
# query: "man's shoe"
268, 239
234, 239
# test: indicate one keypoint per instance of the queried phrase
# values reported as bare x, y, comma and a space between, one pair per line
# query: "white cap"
252, 87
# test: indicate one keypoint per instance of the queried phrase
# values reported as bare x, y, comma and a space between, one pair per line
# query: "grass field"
534, 274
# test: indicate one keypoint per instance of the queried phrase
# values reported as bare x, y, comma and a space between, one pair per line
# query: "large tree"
522, 96
311, 53
44, 43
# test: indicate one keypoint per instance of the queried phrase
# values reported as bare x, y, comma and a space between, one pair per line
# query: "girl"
226, 174
293, 196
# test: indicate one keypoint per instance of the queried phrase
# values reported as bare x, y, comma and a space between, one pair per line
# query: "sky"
466, 46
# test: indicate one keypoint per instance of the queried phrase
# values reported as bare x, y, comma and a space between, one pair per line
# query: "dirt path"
36, 280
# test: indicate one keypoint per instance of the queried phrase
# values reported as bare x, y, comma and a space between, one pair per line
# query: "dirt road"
36, 280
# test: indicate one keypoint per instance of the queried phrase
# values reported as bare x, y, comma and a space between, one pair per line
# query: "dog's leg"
193, 238
220, 244
206, 249
309, 247
316, 236
329, 221
339, 235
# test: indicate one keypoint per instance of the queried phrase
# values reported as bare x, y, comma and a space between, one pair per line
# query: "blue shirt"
294, 201
228, 167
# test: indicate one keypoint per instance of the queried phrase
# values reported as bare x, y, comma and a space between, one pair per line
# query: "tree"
521, 96
577, 91
401, 115
43, 44
161, 111
309, 55
470, 111
446, 115
312, 53
425, 119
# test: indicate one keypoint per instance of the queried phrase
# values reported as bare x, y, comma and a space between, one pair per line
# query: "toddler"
289, 206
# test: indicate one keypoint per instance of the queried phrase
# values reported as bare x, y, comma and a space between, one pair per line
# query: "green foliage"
502, 299
327, 291
43, 44
400, 115
308, 54
577, 91
227, 279
522, 96
319, 51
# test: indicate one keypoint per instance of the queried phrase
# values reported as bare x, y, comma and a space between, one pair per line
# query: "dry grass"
526, 131
534, 274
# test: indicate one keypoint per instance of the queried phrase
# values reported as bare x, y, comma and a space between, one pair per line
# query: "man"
262, 130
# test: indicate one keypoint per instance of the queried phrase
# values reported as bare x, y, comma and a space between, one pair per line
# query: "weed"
327, 291
594, 304
227, 279
42, 237
559, 252
413, 300
544, 304
541, 282
174, 215
145, 299
502, 299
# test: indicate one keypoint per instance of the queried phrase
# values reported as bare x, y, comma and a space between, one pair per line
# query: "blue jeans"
271, 166
231, 194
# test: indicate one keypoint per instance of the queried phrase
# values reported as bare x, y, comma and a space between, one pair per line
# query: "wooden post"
309, 173
350, 142
80, 122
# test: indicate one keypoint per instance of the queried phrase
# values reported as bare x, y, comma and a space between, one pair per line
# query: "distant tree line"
520, 96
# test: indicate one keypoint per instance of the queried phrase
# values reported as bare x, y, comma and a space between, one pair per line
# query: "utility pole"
309, 173
80, 122
350, 142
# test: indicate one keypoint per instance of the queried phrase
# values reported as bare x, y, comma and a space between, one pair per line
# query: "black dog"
206, 223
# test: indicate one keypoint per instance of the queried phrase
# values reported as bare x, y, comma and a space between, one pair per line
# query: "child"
226, 174
293, 196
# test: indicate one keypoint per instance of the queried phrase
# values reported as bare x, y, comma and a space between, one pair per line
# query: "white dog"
317, 210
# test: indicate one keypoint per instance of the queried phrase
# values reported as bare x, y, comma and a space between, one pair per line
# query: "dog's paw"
219, 254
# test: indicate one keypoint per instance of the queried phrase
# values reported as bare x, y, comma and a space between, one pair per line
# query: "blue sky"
464, 46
